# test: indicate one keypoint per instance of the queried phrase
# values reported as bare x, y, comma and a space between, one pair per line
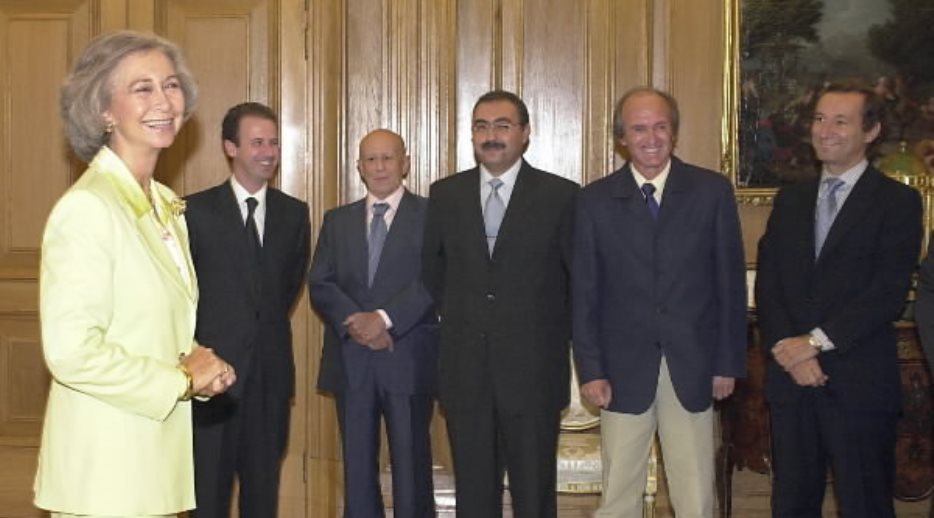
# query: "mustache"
492, 144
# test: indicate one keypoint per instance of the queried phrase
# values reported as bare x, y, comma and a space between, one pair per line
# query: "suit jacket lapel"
856, 204
136, 202
676, 199
519, 208
272, 237
152, 237
356, 239
402, 224
232, 227
632, 201
179, 229
472, 210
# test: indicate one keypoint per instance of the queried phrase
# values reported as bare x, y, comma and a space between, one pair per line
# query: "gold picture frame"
771, 78
729, 123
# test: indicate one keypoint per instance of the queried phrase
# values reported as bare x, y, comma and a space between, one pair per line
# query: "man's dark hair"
873, 103
230, 128
503, 95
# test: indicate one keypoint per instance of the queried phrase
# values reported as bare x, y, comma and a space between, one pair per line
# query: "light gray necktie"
493, 211
376, 238
826, 212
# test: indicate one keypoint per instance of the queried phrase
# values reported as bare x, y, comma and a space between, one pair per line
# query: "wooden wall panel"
288, 33
552, 83
617, 59
477, 60
324, 54
38, 41
568, 61
695, 75
35, 167
232, 50
24, 381
398, 74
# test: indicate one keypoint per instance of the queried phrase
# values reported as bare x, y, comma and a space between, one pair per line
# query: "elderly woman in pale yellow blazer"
118, 295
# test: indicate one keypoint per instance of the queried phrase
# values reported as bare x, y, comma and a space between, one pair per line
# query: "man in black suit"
250, 246
659, 309
380, 344
497, 259
835, 264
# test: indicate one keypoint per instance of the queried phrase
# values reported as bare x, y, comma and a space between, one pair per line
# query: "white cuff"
826, 344
385, 317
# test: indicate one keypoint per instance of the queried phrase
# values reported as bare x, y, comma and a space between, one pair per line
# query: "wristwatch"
815, 343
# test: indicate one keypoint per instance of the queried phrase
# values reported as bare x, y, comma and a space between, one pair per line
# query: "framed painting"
779, 54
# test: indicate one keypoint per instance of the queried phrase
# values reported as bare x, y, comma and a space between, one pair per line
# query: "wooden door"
38, 38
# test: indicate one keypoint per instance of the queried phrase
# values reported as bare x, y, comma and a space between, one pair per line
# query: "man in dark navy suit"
380, 344
835, 264
659, 309
250, 246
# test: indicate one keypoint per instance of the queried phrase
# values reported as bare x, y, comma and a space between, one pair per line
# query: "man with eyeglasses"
497, 253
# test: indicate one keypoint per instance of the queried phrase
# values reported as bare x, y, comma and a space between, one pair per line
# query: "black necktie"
253, 243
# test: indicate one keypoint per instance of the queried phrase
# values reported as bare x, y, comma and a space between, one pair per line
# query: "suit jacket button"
256, 315
491, 297
483, 336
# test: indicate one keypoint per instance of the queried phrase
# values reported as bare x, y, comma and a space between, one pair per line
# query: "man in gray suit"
380, 345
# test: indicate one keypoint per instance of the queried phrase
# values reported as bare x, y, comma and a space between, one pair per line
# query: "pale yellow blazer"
115, 313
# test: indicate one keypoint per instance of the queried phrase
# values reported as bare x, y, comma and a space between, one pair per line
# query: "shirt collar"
508, 177
658, 181
393, 199
242, 194
850, 176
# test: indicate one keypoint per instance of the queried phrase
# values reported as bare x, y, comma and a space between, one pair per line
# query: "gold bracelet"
189, 382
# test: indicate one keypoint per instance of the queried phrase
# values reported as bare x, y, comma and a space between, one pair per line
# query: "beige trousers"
687, 441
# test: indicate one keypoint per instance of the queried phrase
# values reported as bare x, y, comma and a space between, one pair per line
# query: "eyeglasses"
498, 127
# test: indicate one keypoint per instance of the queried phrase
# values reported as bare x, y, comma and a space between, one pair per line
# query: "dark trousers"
486, 443
243, 437
859, 446
408, 418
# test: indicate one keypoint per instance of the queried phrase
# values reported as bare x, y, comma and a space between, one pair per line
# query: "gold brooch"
178, 206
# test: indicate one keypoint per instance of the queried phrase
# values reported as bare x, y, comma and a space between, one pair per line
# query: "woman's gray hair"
85, 95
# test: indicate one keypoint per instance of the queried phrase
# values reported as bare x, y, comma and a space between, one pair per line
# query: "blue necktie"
826, 212
649, 190
493, 211
376, 238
